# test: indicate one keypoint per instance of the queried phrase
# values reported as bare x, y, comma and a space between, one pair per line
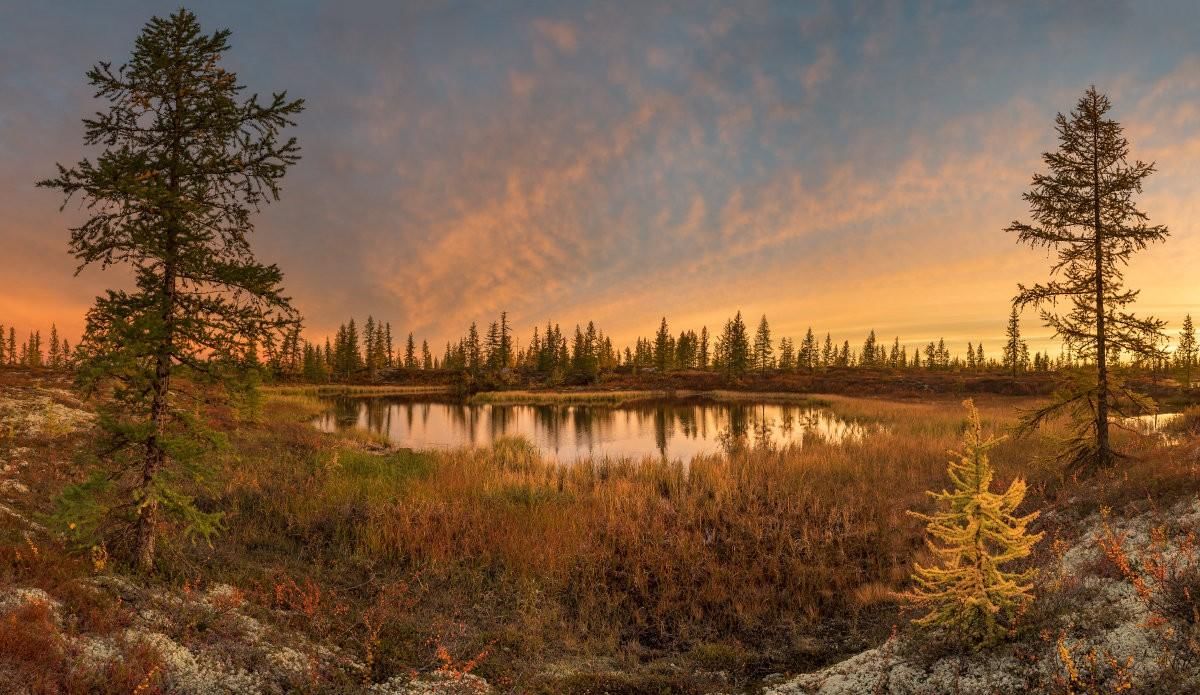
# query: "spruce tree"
1012, 348
868, 351
764, 354
787, 355
12, 345
737, 346
410, 353
185, 162
55, 354
506, 342
973, 536
1185, 352
662, 347
1084, 210
809, 355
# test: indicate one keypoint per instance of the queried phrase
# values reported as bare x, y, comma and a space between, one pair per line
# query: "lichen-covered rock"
1105, 616
18, 597
189, 674
436, 683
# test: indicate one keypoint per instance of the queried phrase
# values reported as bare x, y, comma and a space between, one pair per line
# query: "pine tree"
12, 345
1185, 352
3, 348
185, 163
764, 354
426, 356
1084, 210
827, 352
703, 357
973, 537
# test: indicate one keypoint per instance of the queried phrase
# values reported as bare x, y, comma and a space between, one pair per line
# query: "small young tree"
1084, 209
973, 537
185, 162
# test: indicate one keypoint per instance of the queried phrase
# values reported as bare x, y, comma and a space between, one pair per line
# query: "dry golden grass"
757, 548
767, 559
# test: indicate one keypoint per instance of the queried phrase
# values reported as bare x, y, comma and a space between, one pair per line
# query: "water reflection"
670, 429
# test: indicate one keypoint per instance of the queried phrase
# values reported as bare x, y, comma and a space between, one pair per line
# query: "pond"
670, 429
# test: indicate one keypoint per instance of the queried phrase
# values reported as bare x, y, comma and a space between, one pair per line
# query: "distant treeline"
584, 354
33, 351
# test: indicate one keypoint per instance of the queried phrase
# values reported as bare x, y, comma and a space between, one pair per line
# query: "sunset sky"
844, 166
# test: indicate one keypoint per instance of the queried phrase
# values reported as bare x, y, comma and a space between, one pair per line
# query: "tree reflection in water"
668, 429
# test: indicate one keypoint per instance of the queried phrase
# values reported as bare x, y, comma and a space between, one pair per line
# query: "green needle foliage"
185, 161
1084, 210
976, 533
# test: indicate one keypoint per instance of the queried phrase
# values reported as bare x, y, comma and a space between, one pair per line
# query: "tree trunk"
155, 457
160, 385
1102, 446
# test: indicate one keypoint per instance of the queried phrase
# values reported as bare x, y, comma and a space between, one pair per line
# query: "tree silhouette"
1084, 210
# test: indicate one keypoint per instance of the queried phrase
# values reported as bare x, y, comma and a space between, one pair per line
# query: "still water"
675, 430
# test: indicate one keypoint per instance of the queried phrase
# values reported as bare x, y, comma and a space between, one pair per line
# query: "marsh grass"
622, 397
768, 547
770, 559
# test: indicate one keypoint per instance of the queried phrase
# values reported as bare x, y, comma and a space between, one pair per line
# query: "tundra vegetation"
168, 525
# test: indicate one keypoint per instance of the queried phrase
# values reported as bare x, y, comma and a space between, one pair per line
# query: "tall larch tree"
186, 161
1084, 209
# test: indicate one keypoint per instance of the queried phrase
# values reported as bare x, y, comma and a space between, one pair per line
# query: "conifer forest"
599, 348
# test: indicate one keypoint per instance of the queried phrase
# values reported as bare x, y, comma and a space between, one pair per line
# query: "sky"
845, 166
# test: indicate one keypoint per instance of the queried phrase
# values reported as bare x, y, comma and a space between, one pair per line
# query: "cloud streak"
830, 167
